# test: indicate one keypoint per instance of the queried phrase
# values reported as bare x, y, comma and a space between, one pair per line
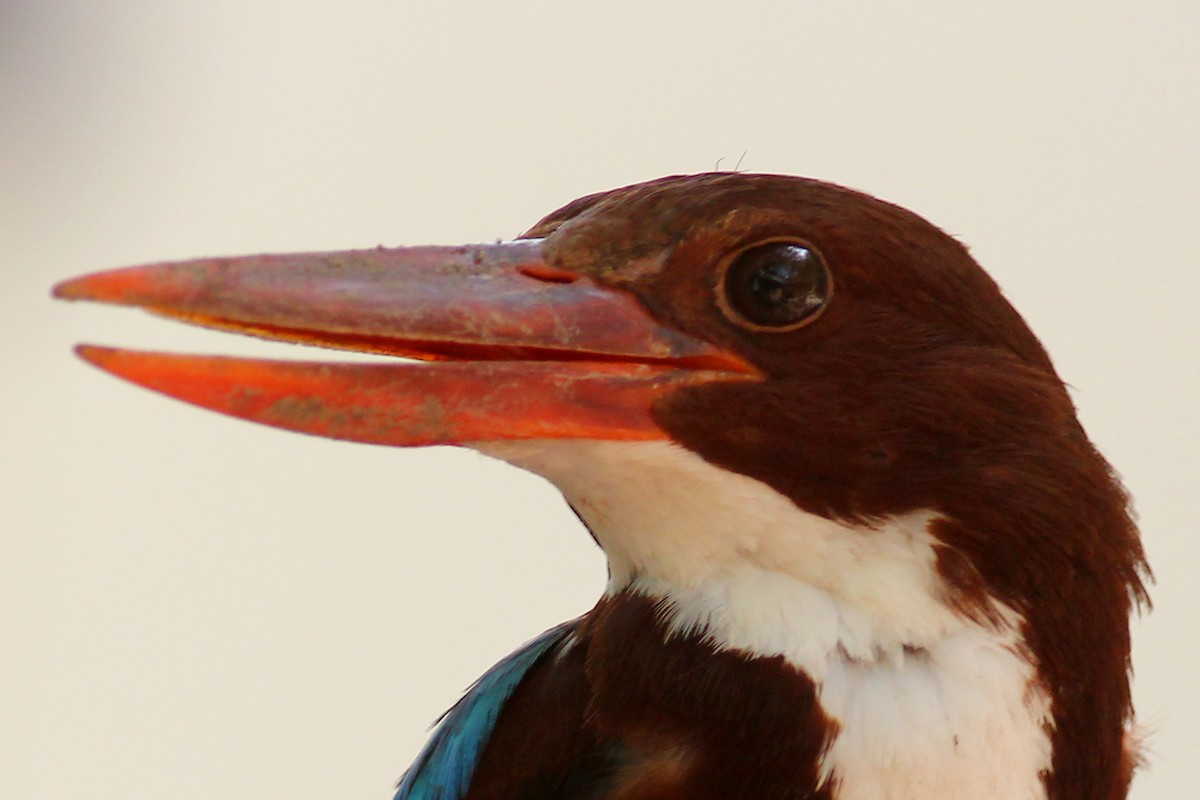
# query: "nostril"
548, 274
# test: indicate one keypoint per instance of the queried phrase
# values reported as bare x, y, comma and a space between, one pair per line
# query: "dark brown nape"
919, 387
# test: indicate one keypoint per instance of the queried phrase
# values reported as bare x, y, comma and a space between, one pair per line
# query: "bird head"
802, 419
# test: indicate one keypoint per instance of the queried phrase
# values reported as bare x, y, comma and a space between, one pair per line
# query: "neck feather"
928, 700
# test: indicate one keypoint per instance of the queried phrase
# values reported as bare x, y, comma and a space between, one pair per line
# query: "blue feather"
443, 770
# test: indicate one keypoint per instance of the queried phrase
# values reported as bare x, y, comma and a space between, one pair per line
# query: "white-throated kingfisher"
859, 547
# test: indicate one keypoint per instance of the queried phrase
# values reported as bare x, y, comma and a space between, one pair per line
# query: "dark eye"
777, 285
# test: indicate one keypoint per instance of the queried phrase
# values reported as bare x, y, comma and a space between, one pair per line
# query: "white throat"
930, 703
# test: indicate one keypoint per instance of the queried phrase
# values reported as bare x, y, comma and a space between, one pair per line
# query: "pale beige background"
193, 607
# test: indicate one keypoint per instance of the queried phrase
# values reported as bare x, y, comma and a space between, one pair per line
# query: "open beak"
513, 348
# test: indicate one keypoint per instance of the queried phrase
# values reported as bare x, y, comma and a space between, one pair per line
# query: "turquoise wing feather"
443, 770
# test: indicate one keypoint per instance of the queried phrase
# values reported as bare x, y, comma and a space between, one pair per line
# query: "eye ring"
774, 286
